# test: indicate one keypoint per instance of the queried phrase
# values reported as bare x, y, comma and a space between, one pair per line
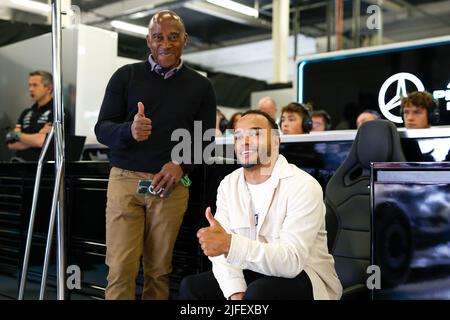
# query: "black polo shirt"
32, 120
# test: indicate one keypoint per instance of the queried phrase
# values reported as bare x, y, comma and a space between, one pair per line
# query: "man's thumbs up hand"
141, 128
141, 109
214, 240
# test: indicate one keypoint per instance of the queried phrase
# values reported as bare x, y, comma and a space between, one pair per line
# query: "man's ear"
147, 39
276, 141
186, 37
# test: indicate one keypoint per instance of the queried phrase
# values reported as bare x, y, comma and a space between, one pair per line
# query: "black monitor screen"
411, 231
346, 84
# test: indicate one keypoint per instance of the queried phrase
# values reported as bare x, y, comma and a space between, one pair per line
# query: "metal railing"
57, 211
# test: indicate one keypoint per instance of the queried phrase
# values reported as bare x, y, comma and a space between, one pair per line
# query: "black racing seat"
347, 200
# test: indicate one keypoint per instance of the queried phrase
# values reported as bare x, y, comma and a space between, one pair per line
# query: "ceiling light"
129, 27
235, 6
34, 5
222, 13
139, 15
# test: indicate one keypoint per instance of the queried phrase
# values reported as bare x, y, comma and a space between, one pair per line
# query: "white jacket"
291, 232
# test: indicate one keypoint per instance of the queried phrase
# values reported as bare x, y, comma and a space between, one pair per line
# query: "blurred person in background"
367, 115
269, 106
35, 122
221, 123
321, 121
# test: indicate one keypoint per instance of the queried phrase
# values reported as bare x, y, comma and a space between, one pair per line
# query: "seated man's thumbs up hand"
214, 240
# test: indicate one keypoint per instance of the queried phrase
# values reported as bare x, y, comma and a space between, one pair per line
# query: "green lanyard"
186, 181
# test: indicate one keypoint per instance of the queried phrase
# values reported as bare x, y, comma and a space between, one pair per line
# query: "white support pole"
280, 37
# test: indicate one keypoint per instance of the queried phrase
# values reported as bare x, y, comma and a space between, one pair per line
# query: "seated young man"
416, 109
295, 119
267, 239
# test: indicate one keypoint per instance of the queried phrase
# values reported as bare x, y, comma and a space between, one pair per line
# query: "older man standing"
143, 104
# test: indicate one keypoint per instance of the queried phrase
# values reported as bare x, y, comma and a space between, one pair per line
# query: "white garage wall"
96, 62
253, 60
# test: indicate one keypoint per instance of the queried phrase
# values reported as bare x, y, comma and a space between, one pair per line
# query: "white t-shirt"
260, 196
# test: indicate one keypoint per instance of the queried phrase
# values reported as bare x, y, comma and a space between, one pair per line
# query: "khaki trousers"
140, 226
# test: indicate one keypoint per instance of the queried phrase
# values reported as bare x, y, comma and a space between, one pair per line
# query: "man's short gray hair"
47, 78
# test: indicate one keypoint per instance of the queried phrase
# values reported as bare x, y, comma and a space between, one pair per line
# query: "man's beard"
249, 165
258, 161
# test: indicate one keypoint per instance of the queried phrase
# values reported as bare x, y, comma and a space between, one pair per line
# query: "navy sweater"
171, 104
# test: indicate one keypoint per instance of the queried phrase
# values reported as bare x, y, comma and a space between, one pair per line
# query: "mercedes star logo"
400, 79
